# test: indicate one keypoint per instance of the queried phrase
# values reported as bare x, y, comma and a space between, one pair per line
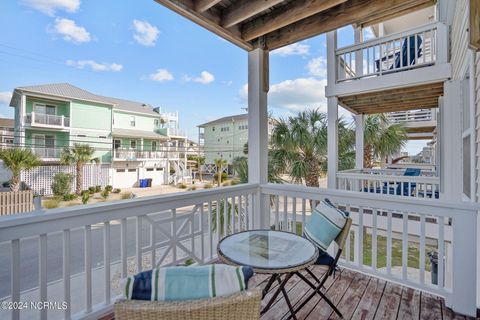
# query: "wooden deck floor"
357, 296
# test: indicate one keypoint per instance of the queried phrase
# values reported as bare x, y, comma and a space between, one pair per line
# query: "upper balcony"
172, 132
393, 61
419, 124
131, 155
47, 121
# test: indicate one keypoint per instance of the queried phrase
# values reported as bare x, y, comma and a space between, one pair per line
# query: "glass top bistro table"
272, 252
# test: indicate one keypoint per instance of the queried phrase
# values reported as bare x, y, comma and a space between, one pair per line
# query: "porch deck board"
358, 296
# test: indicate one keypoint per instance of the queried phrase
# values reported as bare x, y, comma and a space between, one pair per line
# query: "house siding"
62, 106
91, 116
227, 144
144, 123
459, 42
102, 142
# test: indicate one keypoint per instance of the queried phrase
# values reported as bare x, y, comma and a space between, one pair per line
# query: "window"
154, 145
243, 127
120, 170
117, 144
132, 121
8, 142
149, 169
133, 144
156, 123
213, 128
225, 129
45, 109
81, 135
102, 137
132, 170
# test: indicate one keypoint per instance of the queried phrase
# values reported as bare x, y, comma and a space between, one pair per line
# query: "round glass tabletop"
267, 250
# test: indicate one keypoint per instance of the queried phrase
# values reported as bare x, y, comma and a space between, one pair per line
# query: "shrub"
69, 197
182, 186
98, 188
126, 195
91, 190
224, 176
234, 182
227, 183
85, 197
109, 188
116, 190
192, 188
50, 203
105, 193
208, 186
62, 185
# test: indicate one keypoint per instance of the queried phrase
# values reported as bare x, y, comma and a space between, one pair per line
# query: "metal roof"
127, 133
237, 117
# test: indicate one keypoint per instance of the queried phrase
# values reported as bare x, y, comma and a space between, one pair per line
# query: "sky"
142, 51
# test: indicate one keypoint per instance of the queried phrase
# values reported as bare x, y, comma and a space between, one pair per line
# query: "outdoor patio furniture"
406, 57
325, 260
279, 253
405, 188
238, 306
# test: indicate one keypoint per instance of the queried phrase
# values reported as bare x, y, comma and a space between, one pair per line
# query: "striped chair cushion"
325, 224
186, 283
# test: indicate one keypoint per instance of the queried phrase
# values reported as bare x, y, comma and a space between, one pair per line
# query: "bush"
50, 203
105, 193
109, 188
182, 186
91, 190
85, 196
98, 188
208, 186
224, 176
192, 188
62, 184
116, 190
234, 182
227, 183
69, 197
126, 195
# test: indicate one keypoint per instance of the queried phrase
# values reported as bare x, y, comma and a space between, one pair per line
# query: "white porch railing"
47, 153
134, 235
393, 53
138, 154
47, 119
390, 181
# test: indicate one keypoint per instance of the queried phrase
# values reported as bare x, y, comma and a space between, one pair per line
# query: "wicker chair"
244, 305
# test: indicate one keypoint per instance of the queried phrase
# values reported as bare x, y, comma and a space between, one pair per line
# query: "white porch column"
359, 143
332, 145
358, 37
258, 132
451, 141
22, 112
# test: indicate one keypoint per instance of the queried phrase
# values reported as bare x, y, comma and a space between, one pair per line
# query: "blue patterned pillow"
186, 283
325, 223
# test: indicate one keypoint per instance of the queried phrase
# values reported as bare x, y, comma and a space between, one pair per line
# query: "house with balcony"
385, 270
138, 141
6, 132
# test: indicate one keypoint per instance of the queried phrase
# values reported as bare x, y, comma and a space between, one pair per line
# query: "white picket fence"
40, 179
16, 202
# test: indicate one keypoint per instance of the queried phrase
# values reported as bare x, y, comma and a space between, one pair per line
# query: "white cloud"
145, 34
49, 7
298, 49
161, 75
5, 97
204, 78
295, 95
70, 31
368, 34
95, 66
317, 67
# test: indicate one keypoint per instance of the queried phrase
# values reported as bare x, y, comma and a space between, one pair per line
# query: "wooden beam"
375, 19
242, 10
207, 20
204, 5
281, 17
350, 12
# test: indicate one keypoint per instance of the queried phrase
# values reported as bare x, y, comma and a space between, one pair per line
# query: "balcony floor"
358, 296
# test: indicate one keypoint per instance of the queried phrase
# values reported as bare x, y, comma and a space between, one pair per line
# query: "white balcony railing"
47, 119
125, 154
422, 115
406, 50
391, 182
62, 253
47, 153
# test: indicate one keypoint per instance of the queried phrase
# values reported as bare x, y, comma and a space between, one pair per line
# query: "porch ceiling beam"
242, 10
288, 14
402, 99
350, 12
208, 20
204, 5
401, 12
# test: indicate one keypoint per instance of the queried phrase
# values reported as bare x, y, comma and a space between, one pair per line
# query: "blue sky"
141, 51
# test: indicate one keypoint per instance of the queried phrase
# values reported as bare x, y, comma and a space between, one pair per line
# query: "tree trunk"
79, 179
15, 183
219, 176
367, 156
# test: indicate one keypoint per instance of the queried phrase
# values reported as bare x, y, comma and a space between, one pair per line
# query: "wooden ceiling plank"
281, 17
377, 19
347, 13
242, 10
207, 20
204, 5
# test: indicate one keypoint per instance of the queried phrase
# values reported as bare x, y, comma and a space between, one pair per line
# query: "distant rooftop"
238, 117
66, 90
6, 123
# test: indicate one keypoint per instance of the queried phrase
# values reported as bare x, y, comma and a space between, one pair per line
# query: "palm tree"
382, 138
79, 155
299, 146
220, 163
18, 160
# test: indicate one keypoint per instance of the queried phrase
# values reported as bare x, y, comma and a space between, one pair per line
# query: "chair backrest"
342, 236
408, 47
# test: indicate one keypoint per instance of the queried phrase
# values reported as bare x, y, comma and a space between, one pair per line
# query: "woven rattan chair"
332, 265
243, 305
